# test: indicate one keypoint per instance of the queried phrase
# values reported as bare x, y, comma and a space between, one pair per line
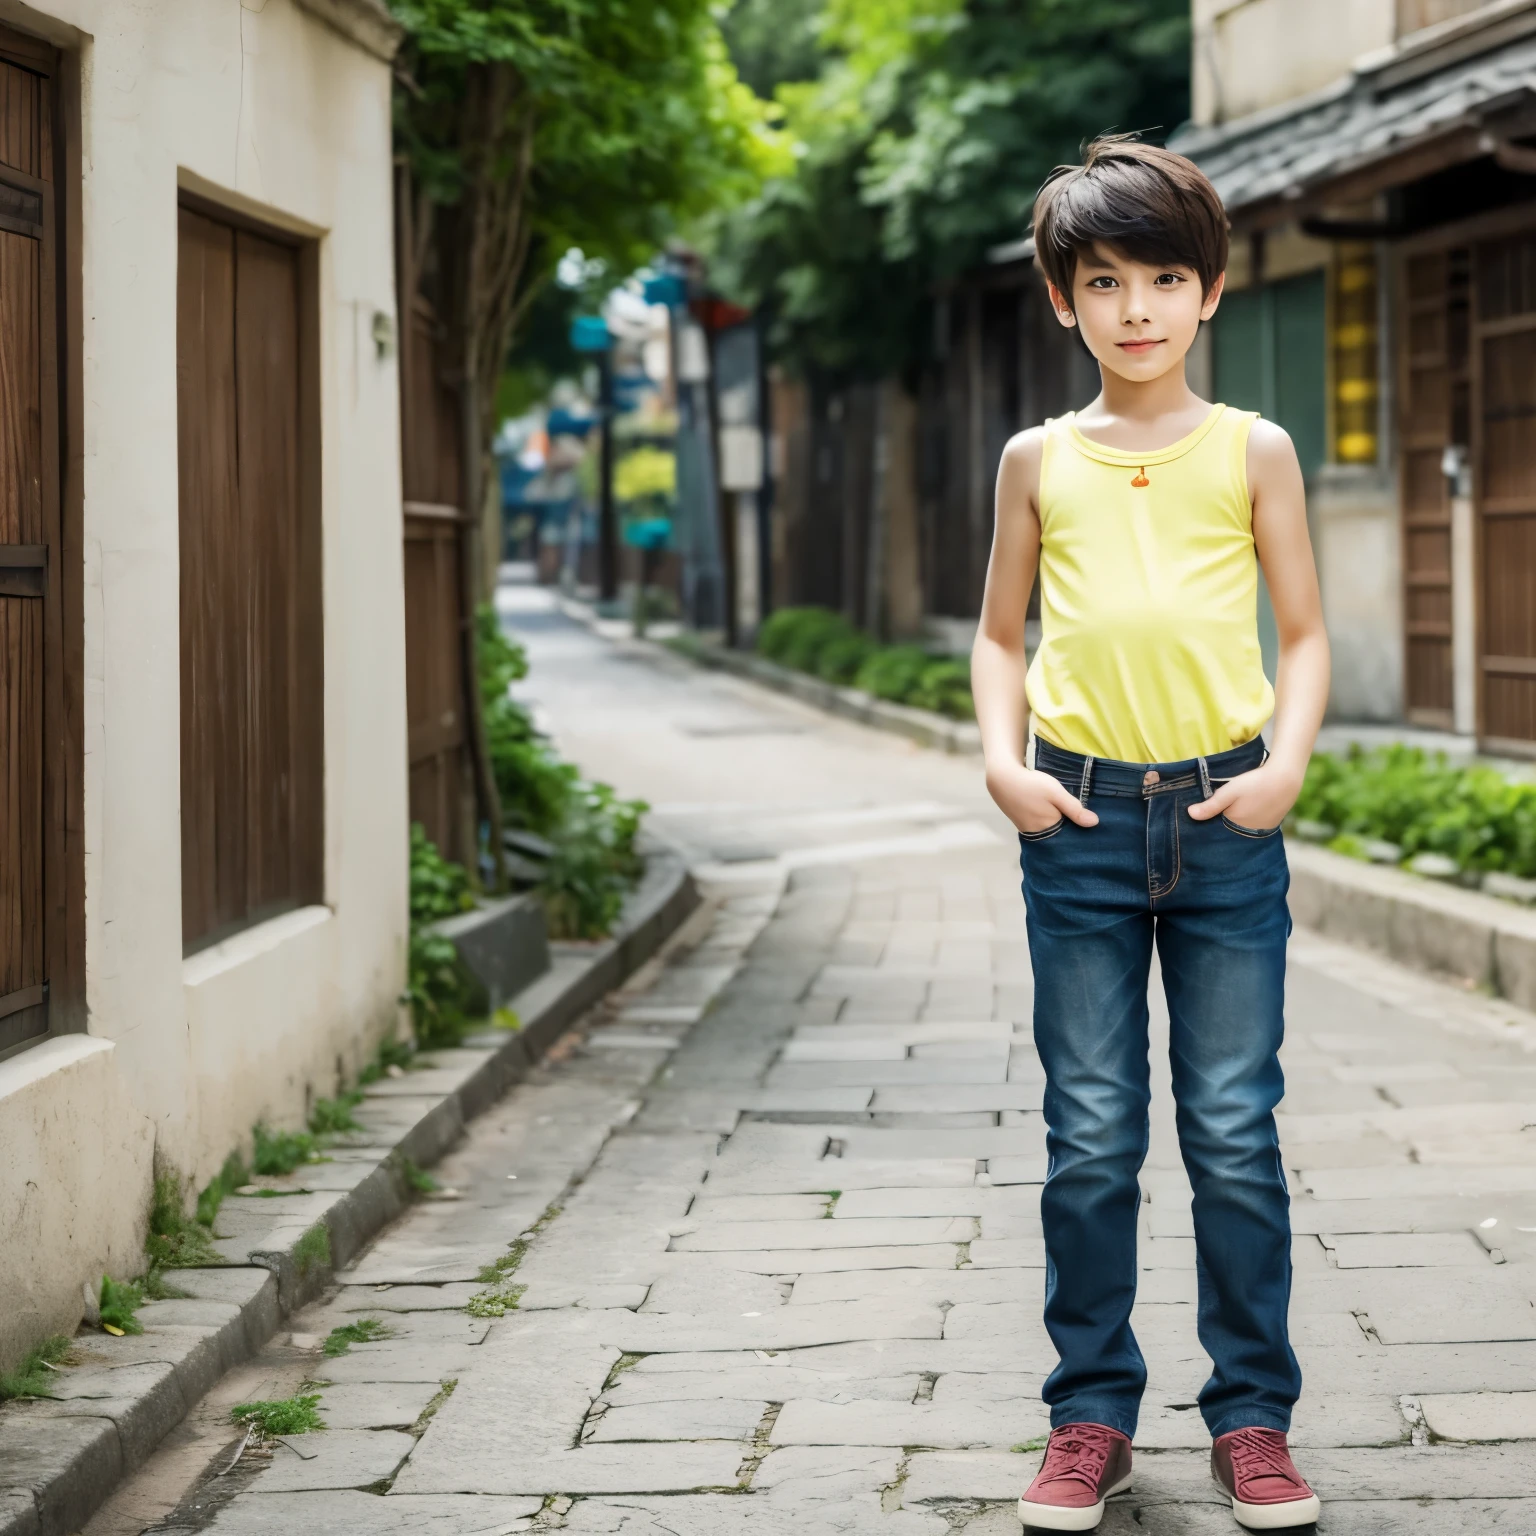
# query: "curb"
1419, 923
62, 1457
958, 737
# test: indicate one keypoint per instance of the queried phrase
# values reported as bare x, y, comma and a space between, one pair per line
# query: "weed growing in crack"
280, 1152
1030, 1446
366, 1330
417, 1179
622, 1364
157, 1288
119, 1302
34, 1376
499, 1297
314, 1248
177, 1240
444, 1392
287, 1416
228, 1179
333, 1117
392, 1053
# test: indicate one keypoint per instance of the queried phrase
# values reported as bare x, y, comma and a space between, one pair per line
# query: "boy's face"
1137, 320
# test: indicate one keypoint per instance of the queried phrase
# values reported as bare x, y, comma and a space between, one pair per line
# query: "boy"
1152, 814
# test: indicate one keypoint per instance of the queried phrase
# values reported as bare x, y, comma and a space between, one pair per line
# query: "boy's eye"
1168, 279
1102, 282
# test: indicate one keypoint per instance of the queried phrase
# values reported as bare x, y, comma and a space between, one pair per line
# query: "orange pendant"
1140, 478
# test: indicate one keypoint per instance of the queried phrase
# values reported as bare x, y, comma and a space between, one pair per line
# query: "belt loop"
1205, 779
1082, 789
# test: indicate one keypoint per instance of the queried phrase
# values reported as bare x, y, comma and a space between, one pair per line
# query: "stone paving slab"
872, 1232
594, 1469
366, 1514
1493, 1416
375, 1405
336, 1458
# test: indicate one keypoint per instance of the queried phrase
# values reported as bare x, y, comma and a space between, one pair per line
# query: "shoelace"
1261, 1453
1078, 1453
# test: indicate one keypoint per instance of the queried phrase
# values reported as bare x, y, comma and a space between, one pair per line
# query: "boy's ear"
1213, 298
1061, 304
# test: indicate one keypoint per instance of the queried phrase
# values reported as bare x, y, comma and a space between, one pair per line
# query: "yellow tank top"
1149, 648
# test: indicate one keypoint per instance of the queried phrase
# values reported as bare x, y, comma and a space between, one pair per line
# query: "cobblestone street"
765, 1225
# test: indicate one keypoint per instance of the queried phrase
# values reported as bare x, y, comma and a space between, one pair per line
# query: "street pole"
607, 522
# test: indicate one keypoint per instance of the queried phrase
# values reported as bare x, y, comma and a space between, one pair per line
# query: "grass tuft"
230, 1177
417, 1179
1030, 1446
119, 1303
314, 1248
177, 1240
157, 1288
366, 1330
333, 1117
392, 1053
287, 1416
32, 1378
280, 1152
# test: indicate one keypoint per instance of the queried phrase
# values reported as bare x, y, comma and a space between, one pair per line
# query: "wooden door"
1434, 365
31, 703
436, 611
1505, 486
251, 652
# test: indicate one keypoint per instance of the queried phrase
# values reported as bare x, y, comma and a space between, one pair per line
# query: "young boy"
1151, 815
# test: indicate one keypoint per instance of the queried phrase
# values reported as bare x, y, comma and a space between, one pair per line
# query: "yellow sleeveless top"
1149, 648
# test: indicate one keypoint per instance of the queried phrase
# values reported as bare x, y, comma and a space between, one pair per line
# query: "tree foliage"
530, 126
920, 141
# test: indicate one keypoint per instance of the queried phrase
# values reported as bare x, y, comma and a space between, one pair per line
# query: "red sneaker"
1255, 1469
1084, 1464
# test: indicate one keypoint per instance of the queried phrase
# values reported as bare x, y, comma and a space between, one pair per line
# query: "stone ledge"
1418, 922
504, 945
61, 1457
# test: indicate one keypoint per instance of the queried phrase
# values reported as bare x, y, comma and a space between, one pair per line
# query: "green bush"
894, 672
593, 831
945, 688
820, 641
1423, 804
842, 657
796, 637
438, 991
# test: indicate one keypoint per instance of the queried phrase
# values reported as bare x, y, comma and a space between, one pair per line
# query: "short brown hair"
1149, 203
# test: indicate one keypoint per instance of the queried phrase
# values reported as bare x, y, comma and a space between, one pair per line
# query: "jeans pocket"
1044, 832
1254, 832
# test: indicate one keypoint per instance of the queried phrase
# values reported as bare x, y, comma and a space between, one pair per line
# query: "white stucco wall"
259, 105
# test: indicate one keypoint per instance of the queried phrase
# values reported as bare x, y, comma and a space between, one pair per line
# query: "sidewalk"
768, 1220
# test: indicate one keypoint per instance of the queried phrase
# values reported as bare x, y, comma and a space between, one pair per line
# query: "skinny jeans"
1211, 896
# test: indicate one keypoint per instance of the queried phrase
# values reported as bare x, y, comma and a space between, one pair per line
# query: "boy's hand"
1258, 800
1035, 801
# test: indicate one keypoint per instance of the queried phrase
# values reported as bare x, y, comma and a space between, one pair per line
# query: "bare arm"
1264, 797
1032, 801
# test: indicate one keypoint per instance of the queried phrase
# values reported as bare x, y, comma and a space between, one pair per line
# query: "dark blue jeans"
1211, 896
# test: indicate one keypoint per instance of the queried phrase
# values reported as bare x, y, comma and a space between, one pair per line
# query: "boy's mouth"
1139, 345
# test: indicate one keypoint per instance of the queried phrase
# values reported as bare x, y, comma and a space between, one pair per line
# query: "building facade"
1378, 163
203, 780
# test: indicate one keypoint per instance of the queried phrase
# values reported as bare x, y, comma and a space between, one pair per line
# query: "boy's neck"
1145, 402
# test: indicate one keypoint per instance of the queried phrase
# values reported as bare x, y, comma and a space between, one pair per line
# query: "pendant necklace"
1140, 478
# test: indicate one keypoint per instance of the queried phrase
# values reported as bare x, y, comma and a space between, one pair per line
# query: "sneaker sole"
1274, 1517
1056, 1517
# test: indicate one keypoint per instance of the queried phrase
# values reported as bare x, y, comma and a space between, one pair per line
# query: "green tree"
920, 142
527, 127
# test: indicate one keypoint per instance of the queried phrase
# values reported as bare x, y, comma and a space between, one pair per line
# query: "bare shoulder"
1024, 448
1269, 446
1272, 463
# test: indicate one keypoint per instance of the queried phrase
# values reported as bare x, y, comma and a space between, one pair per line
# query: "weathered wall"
267, 110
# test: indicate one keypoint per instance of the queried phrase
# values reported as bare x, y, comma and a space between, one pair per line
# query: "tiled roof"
1363, 119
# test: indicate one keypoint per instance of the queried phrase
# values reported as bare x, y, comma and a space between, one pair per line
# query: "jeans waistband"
1104, 776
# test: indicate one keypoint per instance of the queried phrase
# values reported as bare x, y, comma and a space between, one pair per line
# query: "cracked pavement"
776, 1204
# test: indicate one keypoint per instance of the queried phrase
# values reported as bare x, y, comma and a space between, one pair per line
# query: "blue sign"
590, 333
666, 288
